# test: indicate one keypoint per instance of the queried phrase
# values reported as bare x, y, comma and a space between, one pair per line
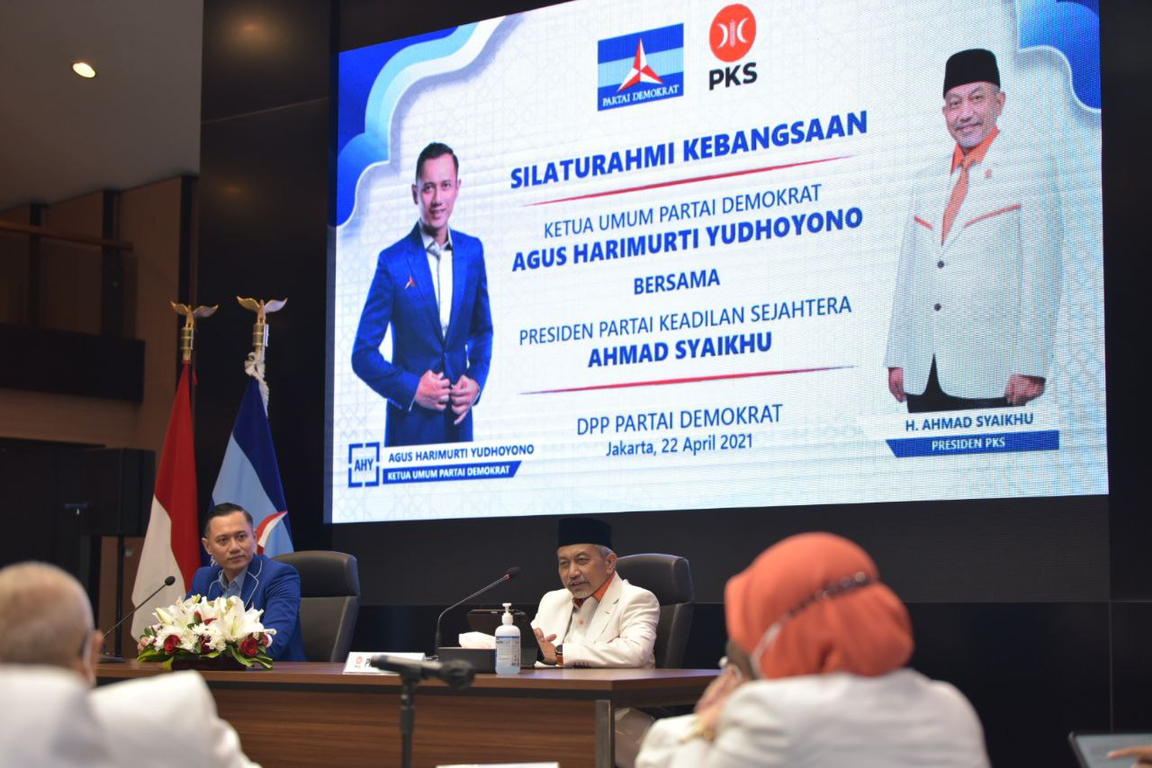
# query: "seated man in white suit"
598, 619
48, 650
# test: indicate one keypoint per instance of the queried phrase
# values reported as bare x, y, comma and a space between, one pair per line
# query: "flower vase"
222, 663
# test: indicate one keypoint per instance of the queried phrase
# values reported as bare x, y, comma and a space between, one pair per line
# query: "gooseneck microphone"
111, 659
457, 674
509, 574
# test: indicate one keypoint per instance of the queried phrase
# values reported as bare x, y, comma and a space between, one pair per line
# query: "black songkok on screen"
976, 65
583, 530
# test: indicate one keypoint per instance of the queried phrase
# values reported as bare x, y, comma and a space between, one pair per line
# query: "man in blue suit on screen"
259, 581
432, 288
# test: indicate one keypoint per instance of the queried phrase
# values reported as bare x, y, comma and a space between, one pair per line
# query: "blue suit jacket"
272, 586
403, 295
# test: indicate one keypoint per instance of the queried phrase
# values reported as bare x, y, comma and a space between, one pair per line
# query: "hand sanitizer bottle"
507, 644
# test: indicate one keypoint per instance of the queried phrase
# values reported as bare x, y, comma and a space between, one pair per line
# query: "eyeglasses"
849, 584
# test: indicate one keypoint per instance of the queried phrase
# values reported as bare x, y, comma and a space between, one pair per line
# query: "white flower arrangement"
198, 629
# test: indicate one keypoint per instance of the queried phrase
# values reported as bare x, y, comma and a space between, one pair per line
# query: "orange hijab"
864, 630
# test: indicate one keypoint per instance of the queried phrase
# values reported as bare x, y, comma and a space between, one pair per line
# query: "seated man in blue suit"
259, 581
432, 288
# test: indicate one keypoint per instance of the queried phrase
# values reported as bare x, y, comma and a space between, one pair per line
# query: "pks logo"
731, 36
642, 66
363, 464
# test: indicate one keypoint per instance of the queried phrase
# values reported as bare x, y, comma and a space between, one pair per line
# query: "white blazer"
898, 720
48, 719
621, 633
169, 718
53, 717
985, 302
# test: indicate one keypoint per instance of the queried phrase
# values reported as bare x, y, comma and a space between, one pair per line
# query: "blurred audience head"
45, 618
813, 604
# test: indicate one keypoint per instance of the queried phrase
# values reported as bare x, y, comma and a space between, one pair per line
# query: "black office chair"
329, 602
669, 578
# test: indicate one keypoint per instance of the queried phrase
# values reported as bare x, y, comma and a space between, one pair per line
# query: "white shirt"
167, 719
49, 720
440, 264
898, 720
53, 717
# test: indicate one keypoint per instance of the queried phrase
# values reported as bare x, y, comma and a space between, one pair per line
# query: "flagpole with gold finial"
188, 332
254, 366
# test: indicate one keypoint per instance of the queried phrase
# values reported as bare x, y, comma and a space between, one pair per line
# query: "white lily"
206, 626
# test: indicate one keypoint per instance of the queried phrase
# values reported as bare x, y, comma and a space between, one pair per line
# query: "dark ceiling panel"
262, 54
367, 22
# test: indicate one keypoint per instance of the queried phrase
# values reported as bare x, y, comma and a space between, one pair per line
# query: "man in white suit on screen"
978, 285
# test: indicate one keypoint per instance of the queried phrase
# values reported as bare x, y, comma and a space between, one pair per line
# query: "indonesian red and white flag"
172, 542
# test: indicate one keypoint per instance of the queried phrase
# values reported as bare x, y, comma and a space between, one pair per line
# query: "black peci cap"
975, 65
583, 530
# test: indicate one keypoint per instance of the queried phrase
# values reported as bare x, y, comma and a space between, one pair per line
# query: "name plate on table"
359, 662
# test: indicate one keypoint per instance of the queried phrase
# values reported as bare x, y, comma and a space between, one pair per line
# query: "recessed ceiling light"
84, 69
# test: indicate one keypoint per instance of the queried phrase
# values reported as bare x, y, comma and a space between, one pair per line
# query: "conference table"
302, 713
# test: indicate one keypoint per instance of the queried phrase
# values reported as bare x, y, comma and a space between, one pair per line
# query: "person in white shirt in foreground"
816, 676
52, 714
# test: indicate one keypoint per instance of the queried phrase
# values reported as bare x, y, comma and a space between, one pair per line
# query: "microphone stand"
409, 680
107, 658
510, 574
456, 674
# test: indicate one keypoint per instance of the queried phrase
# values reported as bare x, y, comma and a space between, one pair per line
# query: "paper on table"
477, 640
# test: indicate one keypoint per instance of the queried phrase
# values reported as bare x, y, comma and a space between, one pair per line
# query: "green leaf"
235, 651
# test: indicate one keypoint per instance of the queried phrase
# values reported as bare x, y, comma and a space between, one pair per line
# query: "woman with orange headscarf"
816, 677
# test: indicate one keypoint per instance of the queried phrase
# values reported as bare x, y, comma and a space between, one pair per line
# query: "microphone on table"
510, 574
457, 674
110, 659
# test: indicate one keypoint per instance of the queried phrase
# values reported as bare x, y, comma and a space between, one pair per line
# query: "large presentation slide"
691, 255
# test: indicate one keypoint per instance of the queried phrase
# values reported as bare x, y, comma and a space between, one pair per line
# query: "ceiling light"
84, 69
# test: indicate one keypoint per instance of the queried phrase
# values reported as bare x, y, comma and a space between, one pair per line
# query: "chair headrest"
669, 577
324, 573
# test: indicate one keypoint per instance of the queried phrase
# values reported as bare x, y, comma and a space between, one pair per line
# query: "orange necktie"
954, 202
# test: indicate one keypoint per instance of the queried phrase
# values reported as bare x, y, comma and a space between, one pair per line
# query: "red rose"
249, 647
267, 640
171, 643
